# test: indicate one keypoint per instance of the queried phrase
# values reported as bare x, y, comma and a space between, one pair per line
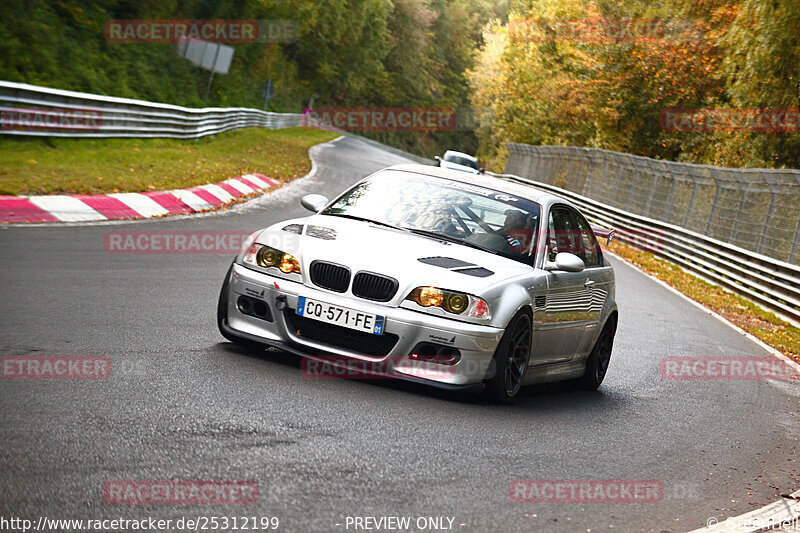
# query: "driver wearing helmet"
513, 230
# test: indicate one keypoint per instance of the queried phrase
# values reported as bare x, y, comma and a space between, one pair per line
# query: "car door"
561, 320
598, 280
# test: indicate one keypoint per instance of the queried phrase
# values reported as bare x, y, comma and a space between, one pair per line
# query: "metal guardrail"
754, 209
41, 111
768, 282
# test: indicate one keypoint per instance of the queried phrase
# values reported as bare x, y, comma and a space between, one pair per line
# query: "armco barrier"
41, 111
754, 209
770, 283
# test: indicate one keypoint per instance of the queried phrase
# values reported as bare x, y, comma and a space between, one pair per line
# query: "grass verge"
743, 313
96, 166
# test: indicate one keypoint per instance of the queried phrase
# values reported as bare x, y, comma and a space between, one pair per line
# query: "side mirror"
566, 262
314, 202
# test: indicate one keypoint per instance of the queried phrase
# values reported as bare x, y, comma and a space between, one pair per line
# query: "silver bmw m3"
457, 280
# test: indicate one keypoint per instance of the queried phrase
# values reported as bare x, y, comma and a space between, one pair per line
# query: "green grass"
741, 312
96, 166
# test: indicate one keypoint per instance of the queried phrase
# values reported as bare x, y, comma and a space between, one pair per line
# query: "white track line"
783, 513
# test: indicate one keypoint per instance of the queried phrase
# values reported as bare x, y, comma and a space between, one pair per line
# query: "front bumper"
476, 343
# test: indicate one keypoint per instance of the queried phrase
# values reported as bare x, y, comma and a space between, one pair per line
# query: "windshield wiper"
363, 219
448, 238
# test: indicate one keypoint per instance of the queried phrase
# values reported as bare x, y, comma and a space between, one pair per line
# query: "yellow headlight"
430, 296
456, 303
267, 257
289, 264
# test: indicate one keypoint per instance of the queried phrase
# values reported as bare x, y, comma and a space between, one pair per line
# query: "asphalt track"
181, 403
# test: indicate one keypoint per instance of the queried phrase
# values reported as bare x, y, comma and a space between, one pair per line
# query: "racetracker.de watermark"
676, 120
55, 367
382, 118
215, 31
138, 492
586, 491
436, 367
50, 119
174, 241
726, 368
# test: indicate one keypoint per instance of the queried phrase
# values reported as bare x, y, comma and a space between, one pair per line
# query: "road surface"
183, 404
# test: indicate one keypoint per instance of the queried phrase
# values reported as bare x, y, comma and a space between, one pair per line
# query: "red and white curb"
129, 205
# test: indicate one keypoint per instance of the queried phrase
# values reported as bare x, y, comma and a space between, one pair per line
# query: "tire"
599, 358
222, 315
512, 353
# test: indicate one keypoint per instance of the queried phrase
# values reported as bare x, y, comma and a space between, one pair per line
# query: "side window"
563, 235
589, 248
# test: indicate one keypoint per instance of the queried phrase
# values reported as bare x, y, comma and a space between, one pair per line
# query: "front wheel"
597, 363
510, 361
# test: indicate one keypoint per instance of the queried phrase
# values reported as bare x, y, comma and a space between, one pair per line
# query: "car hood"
362, 246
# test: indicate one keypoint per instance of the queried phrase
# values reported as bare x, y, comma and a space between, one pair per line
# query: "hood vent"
478, 272
457, 265
444, 262
294, 228
321, 232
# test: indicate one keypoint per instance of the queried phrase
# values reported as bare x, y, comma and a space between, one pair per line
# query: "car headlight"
457, 303
266, 257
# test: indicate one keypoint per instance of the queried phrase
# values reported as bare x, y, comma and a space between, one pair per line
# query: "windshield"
461, 160
498, 222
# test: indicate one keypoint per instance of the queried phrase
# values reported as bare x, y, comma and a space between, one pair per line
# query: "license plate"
341, 316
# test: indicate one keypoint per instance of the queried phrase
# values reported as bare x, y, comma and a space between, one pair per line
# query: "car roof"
529, 192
